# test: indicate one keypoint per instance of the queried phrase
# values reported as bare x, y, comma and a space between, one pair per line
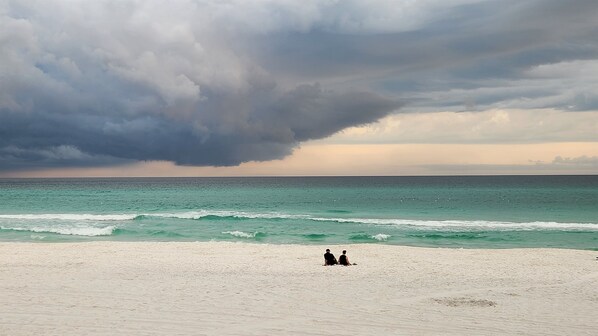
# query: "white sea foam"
438, 224
240, 234
460, 224
424, 224
71, 217
381, 237
72, 231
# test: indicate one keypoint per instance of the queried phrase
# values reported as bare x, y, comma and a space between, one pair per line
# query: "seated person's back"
343, 260
329, 258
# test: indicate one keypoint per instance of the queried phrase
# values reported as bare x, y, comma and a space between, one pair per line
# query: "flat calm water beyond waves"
456, 211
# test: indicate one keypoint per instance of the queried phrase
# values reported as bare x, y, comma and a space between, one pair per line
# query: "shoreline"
312, 245
245, 288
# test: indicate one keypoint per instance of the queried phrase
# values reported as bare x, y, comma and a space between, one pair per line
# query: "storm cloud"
220, 83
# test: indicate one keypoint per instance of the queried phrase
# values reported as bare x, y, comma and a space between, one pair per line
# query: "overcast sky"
281, 87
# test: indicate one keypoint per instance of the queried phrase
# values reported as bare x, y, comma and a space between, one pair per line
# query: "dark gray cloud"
221, 130
480, 51
109, 83
220, 83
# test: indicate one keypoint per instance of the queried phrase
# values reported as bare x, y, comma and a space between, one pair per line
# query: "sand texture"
109, 288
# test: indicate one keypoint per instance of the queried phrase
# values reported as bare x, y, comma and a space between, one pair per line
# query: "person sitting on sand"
343, 259
329, 258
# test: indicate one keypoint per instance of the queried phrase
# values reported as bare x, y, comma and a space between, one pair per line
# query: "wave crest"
70, 217
381, 237
463, 224
214, 215
70, 231
241, 234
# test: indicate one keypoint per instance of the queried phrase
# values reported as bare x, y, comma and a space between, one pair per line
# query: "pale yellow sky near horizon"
313, 159
442, 143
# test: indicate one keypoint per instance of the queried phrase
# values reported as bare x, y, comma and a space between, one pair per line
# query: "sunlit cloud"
491, 126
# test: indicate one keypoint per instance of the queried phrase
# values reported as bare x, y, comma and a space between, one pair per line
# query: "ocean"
456, 211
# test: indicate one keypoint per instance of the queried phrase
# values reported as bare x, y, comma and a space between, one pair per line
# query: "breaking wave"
214, 215
72, 231
462, 224
367, 237
70, 217
241, 234
381, 237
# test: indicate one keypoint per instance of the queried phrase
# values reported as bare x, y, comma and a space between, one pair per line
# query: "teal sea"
464, 211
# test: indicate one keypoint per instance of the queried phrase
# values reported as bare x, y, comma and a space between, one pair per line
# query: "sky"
286, 87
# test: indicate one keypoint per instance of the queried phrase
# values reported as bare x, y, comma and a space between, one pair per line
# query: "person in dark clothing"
343, 259
329, 258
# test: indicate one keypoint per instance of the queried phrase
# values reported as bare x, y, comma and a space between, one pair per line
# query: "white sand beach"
215, 288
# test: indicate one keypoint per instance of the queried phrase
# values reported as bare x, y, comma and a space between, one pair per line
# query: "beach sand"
216, 288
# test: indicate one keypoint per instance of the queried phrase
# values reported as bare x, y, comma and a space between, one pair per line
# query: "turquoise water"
475, 211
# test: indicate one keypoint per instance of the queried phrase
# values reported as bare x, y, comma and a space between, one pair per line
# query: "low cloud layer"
220, 83
495, 126
560, 165
584, 161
